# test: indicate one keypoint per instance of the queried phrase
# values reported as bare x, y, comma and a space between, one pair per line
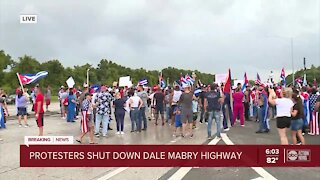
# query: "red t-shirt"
39, 98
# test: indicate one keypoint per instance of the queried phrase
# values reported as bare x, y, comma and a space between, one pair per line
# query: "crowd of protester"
181, 107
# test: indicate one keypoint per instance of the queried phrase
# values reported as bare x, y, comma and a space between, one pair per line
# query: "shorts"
48, 101
22, 111
187, 116
39, 120
195, 116
173, 107
90, 120
178, 123
296, 124
283, 122
159, 109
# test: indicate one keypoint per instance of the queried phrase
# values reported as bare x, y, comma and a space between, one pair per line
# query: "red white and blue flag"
299, 80
189, 79
246, 82
283, 77
143, 82
182, 79
258, 81
32, 78
162, 83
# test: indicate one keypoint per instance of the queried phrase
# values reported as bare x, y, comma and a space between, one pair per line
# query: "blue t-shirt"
177, 118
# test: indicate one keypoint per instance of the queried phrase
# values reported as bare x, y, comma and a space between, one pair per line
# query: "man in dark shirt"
158, 99
202, 96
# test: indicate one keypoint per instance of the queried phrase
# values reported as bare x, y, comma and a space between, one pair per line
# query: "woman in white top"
284, 108
135, 103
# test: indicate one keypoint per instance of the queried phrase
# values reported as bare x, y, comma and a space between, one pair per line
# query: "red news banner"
169, 156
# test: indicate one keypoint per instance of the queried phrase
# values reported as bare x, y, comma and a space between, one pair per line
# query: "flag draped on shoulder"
32, 78
245, 82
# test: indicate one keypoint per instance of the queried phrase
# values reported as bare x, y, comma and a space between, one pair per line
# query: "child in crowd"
178, 124
195, 112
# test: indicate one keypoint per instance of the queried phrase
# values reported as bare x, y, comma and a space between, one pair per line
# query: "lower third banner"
169, 156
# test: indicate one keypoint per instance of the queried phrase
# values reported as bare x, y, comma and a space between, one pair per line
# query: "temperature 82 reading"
272, 160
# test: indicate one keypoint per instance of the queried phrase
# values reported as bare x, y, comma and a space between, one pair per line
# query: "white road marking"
119, 170
262, 172
184, 170
113, 173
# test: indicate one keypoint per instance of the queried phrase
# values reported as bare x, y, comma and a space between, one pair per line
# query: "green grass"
54, 98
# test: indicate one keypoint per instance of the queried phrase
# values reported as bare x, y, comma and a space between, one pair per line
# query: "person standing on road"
297, 119
174, 100
186, 109
226, 109
213, 105
104, 100
38, 109
119, 105
314, 113
135, 104
71, 107
159, 104
167, 105
262, 102
48, 98
87, 123
3, 110
284, 109
142, 113
238, 109
201, 104
21, 103
247, 103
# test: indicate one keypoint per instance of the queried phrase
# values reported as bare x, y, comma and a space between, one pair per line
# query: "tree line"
106, 72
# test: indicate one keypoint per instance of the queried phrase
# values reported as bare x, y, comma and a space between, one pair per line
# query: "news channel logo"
28, 19
298, 155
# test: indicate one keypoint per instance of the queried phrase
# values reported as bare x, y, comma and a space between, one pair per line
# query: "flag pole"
20, 82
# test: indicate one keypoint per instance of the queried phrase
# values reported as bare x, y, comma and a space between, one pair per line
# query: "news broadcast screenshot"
159, 89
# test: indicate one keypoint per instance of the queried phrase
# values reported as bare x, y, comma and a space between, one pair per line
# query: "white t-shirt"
176, 96
135, 101
284, 106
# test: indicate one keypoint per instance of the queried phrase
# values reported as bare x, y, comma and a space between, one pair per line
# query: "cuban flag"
189, 79
162, 83
197, 92
96, 88
258, 81
283, 77
143, 82
32, 78
246, 82
298, 80
182, 79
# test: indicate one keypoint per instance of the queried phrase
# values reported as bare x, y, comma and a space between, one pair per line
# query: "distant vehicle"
11, 99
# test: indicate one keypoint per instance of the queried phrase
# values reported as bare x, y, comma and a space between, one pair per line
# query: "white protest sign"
70, 82
220, 78
32, 140
124, 81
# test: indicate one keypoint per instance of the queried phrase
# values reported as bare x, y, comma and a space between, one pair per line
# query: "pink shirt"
238, 98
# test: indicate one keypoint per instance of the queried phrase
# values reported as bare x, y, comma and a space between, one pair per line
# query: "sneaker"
227, 129
210, 138
122, 132
206, 123
242, 125
97, 134
118, 133
26, 125
191, 136
104, 135
217, 137
201, 122
20, 125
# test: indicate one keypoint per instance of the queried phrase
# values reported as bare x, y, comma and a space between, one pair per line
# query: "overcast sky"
208, 35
